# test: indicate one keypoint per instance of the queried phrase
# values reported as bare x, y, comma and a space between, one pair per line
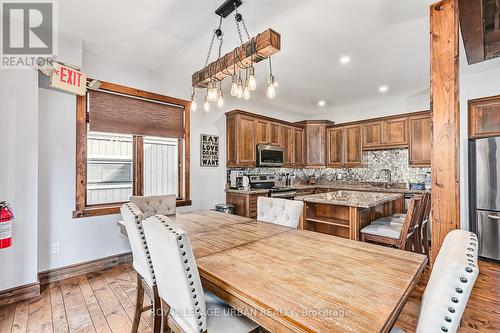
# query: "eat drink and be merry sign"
209, 150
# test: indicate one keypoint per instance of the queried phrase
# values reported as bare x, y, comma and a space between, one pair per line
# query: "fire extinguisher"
6, 218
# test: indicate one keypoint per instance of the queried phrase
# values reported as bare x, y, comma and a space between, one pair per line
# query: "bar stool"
279, 211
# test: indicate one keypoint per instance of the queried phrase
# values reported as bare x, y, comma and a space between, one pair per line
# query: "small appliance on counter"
225, 208
417, 186
236, 179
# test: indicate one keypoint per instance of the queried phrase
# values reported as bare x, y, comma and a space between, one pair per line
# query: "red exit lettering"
70, 76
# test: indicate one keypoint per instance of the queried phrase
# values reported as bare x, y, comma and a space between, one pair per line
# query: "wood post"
445, 120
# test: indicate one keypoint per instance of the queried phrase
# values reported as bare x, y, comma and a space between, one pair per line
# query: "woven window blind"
128, 115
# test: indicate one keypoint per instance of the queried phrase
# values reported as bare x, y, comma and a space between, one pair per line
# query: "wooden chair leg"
425, 240
164, 311
157, 311
139, 299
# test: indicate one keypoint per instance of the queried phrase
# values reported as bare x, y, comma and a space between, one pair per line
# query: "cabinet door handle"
494, 217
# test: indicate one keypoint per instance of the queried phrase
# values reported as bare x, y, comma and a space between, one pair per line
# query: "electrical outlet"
56, 248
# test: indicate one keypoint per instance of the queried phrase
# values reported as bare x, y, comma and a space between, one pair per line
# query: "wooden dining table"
290, 280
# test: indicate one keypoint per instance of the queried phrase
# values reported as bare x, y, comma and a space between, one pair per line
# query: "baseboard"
19, 293
62, 273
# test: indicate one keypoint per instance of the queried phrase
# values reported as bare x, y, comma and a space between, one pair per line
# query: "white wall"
18, 173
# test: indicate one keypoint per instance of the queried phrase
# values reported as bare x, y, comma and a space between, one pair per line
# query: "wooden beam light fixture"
234, 63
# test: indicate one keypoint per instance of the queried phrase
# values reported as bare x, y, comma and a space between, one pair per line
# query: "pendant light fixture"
271, 86
243, 57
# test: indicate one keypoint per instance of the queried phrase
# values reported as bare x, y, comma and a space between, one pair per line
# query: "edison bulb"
194, 106
206, 105
252, 83
271, 88
220, 101
234, 86
240, 88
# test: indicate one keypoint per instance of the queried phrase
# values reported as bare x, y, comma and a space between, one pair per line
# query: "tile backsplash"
396, 160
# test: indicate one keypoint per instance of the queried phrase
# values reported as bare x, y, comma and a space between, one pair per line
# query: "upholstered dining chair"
141, 261
155, 204
395, 234
279, 211
190, 308
453, 275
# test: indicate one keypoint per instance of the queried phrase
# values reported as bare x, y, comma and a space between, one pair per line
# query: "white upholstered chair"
146, 283
191, 309
155, 204
450, 284
279, 211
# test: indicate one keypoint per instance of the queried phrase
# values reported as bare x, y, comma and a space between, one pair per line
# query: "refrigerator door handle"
494, 217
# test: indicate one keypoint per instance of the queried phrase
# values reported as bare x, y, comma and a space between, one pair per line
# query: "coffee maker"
236, 179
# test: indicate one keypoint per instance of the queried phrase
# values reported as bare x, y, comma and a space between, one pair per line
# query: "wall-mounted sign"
68, 79
209, 150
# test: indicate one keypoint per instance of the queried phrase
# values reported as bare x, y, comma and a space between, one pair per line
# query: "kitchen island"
345, 213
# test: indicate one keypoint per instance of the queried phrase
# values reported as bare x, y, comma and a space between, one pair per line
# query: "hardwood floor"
104, 302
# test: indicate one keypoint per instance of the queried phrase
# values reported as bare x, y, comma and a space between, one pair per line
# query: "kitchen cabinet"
372, 134
245, 204
484, 117
315, 143
386, 133
287, 135
344, 147
420, 136
275, 134
241, 134
262, 131
353, 153
335, 147
395, 132
298, 147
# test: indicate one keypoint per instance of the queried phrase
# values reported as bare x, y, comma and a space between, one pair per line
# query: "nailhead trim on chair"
138, 224
180, 241
463, 279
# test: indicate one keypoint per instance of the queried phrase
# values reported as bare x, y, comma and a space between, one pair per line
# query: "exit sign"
68, 79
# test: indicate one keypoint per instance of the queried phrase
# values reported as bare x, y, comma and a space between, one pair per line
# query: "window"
129, 142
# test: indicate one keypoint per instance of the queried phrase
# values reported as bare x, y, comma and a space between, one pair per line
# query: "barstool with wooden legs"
146, 283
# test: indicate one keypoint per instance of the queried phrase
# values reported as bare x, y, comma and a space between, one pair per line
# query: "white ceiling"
387, 40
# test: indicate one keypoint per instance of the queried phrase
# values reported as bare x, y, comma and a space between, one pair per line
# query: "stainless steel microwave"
270, 156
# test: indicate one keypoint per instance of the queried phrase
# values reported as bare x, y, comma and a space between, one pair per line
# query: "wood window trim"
81, 207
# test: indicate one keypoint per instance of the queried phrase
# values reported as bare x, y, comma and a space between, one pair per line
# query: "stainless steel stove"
283, 192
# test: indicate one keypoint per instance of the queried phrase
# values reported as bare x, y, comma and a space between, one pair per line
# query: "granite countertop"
250, 191
398, 188
351, 198
348, 186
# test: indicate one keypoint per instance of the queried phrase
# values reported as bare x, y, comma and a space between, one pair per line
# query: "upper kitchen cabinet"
484, 117
343, 147
420, 137
275, 137
385, 133
298, 147
315, 143
262, 131
240, 140
288, 140
352, 146
372, 134
335, 147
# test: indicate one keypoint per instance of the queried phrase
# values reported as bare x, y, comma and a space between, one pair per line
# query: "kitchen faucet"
388, 172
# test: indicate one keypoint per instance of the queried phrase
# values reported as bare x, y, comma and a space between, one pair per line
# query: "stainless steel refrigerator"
484, 176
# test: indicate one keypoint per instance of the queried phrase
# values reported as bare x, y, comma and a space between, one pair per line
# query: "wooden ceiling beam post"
445, 120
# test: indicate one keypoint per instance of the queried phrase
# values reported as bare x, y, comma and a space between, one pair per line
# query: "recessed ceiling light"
344, 60
321, 103
383, 89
